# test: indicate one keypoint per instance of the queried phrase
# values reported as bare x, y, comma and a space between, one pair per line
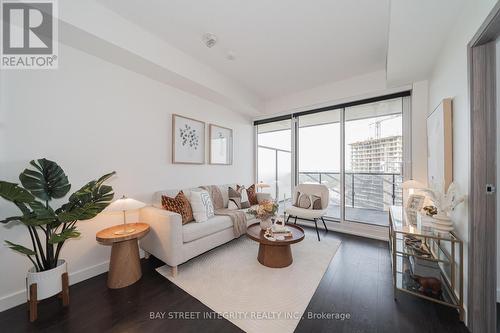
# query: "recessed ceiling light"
209, 39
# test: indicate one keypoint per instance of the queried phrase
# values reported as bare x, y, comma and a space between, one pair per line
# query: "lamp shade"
262, 185
413, 184
125, 204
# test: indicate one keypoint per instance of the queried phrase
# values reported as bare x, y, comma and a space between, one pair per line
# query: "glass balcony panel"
319, 154
373, 160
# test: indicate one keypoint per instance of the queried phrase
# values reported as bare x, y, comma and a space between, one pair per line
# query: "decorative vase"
48, 283
266, 223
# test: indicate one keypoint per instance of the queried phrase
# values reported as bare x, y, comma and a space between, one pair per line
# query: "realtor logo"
29, 35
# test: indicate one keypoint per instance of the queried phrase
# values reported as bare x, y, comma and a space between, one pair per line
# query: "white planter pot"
48, 283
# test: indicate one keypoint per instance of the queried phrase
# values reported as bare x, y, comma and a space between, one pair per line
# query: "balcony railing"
367, 190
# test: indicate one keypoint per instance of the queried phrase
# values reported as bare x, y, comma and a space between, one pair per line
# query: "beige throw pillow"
308, 201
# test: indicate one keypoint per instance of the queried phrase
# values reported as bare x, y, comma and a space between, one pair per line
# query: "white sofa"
174, 243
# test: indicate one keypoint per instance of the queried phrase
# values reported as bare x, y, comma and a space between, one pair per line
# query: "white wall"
449, 79
419, 107
93, 117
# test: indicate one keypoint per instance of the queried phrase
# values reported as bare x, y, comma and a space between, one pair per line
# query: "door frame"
481, 291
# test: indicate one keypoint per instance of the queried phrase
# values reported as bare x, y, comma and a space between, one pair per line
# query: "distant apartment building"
376, 166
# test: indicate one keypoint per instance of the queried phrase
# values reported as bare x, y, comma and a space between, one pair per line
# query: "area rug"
231, 282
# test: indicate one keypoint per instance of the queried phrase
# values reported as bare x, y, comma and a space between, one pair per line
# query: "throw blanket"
238, 218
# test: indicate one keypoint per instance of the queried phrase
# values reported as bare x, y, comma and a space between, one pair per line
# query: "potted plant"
49, 229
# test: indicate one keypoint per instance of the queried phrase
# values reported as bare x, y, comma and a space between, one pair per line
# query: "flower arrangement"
264, 210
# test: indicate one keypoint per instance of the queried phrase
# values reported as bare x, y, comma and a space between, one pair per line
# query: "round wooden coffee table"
124, 266
275, 254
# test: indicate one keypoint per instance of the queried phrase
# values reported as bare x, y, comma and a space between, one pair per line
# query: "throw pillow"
202, 205
234, 204
245, 203
234, 197
303, 201
252, 195
316, 202
307, 201
296, 203
180, 205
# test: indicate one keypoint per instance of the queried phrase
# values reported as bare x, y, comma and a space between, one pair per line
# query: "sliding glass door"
274, 158
356, 150
319, 154
373, 160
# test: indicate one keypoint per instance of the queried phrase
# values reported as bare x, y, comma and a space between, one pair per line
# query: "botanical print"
189, 137
188, 140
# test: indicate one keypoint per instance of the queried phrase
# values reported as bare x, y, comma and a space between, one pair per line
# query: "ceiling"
280, 46
417, 32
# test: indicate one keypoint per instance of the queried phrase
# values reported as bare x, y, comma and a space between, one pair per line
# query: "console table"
445, 250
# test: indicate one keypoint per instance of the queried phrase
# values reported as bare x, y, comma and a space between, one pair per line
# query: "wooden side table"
124, 266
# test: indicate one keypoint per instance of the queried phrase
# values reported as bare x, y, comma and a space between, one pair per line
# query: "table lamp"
411, 185
261, 185
123, 205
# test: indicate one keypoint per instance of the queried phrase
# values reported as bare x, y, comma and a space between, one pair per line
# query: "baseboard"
19, 297
356, 229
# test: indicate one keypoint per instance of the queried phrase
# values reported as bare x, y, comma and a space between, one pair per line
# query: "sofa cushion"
194, 231
305, 212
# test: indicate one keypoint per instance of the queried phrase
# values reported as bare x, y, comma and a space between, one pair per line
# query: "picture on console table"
188, 140
221, 145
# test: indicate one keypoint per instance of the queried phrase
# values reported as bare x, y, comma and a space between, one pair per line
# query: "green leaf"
32, 221
10, 219
64, 235
87, 212
41, 212
47, 182
14, 193
88, 201
21, 249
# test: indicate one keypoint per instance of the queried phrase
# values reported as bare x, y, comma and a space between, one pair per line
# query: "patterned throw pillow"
307, 201
245, 203
316, 202
234, 198
203, 207
180, 205
303, 200
252, 195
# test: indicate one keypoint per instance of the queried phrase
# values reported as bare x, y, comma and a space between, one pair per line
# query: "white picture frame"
188, 140
414, 205
220, 145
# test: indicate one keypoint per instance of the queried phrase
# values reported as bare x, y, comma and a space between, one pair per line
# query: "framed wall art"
188, 140
440, 146
221, 145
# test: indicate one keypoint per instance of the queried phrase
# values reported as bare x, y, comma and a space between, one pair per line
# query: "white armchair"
314, 215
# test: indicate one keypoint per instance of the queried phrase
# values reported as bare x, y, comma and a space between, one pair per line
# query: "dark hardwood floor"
357, 282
